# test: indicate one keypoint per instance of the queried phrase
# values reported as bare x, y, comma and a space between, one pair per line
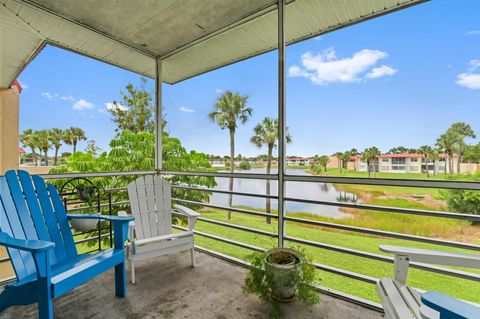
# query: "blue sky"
401, 79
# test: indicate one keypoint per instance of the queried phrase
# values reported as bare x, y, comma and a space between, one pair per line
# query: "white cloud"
83, 105
186, 109
67, 98
111, 106
383, 70
219, 91
472, 32
23, 85
56, 96
49, 95
470, 79
325, 68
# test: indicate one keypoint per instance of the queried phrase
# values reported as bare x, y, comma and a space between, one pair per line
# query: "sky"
401, 79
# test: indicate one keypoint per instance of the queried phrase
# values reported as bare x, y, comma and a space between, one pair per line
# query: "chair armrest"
434, 256
109, 218
190, 213
32, 246
450, 307
186, 211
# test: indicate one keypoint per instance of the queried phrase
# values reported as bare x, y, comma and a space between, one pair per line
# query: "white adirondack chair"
151, 234
400, 301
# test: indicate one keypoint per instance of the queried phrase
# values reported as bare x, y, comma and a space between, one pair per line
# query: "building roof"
191, 37
409, 155
21, 151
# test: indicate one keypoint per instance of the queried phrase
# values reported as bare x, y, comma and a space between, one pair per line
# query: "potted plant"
85, 193
281, 275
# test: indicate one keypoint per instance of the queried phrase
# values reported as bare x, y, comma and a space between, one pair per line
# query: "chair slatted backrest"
150, 201
32, 210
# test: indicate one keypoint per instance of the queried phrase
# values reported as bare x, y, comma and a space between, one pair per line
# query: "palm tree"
446, 142
29, 139
369, 155
338, 156
426, 152
73, 135
345, 157
44, 143
266, 133
323, 162
229, 108
56, 138
354, 152
461, 130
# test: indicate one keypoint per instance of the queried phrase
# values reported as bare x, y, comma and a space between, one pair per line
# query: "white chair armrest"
434, 256
186, 211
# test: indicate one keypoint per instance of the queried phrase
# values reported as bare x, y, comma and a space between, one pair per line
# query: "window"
385, 160
398, 168
385, 168
413, 169
398, 160
414, 160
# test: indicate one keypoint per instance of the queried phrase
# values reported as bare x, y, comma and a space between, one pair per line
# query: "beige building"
9, 136
407, 163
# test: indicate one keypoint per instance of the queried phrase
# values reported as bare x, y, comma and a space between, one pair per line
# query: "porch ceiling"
191, 36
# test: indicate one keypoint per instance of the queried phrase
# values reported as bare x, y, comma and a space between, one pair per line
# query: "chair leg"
132, 261
45, 305
121, 280
192, 256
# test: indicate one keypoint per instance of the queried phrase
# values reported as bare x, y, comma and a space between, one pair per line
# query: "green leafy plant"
263, 280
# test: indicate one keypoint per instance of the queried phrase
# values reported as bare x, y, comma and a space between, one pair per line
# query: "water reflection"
313, 191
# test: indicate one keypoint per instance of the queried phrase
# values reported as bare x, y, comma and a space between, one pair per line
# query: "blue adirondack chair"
34, 228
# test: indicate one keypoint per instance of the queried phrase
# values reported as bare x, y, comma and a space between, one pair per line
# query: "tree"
447, 142
92, 148
323, 161
136, 110
426, 152
56, 138
228, 109
369, 156
398, 150
73, 135
44, 143
461, 130
471, 153
266, 133
354, 152
338, 156
345, 157
29, 139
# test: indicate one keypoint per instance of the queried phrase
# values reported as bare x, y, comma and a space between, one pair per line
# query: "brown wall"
8, 129
37, 169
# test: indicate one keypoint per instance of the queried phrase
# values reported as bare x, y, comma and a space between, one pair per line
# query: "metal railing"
328, 225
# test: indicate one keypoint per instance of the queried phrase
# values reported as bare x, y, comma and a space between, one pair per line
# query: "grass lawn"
424, 280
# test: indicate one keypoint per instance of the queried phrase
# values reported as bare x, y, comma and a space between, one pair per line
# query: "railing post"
158, 115
281, 121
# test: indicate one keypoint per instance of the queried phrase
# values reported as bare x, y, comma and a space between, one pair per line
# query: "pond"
313, 191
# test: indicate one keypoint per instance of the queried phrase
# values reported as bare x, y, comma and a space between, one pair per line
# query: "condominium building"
406, 163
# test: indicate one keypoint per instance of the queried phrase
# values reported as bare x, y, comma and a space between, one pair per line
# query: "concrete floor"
167, 287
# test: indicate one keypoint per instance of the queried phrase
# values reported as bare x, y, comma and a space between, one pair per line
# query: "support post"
281, 122
158, 115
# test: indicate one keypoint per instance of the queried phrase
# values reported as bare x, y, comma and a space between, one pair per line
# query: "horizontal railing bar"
95, 174
467, 185
4, 260
346, 273
233, 209
222, 174
252, 230
77, 209
370, 231
439, 270
421, 212
328, 291
91, 238
223, 239
224, 191
87, 232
